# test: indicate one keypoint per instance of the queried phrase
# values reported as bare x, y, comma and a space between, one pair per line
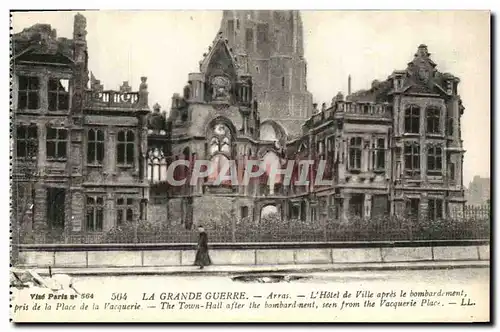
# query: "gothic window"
412, 158
157, 166
126, 147
220, 140
124, 210
217, 164
95, 146
379, 154
355, 148
434, 160
432, 119
28, 93
27, 141
58, 93
435, 208
237, 23
95, 213
56, 143
412, 119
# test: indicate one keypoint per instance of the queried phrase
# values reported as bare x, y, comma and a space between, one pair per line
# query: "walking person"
202, 258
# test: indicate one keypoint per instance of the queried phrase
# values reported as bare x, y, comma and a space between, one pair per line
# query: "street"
460, 294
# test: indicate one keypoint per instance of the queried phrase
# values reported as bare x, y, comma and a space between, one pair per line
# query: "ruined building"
87, 160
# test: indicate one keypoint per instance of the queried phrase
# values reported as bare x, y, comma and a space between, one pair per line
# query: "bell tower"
269, 44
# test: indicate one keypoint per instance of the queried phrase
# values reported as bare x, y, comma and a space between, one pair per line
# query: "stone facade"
77, 163
393, 149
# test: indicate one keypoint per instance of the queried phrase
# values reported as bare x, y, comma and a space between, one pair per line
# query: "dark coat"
202, 257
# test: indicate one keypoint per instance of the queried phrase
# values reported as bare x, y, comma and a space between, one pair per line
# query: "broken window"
244, 212
28, 93
95, 213
412, 158
57, 142
26, 141
58, 93
379, 154
355, 148
126, 148
434, 160
432, 117
124, 210
95, 146
56, 207
412, 119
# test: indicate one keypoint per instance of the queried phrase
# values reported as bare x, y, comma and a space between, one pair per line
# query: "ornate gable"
220, 59
422, 75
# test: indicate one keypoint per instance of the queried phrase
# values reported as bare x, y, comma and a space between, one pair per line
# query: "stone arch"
270, 130
223, 120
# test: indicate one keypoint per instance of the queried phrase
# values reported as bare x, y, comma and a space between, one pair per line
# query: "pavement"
249, 269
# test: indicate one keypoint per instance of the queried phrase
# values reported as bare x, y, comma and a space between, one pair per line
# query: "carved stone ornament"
221, 86
424, 74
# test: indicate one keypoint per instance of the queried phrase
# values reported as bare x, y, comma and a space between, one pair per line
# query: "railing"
273, 229
364, 108
111, 98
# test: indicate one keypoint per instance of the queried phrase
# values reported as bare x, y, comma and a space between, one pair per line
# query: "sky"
165, 46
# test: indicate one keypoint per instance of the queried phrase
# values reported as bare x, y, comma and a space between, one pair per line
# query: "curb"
344, 268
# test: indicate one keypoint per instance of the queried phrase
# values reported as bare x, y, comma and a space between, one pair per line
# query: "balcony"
364, 110
111, 99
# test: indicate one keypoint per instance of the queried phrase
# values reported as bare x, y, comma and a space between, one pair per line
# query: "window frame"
57, 141
378, 152
410, 118
97, 144
436, 212
357, 148
414, 155
29, 91
97, 209
125, 211
433, 120
30, 143
434, 154
126, 143
57, 92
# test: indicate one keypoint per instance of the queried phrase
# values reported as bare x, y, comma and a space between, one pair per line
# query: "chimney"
349, 85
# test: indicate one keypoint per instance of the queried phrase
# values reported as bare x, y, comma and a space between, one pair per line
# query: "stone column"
367, 206
345, 208
109, 212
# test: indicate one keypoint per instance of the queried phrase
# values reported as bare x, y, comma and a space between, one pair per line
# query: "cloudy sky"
167, 45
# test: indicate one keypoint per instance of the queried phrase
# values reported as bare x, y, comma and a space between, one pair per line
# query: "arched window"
157, 165
217, 165
268, 133
125, 148
220, 140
